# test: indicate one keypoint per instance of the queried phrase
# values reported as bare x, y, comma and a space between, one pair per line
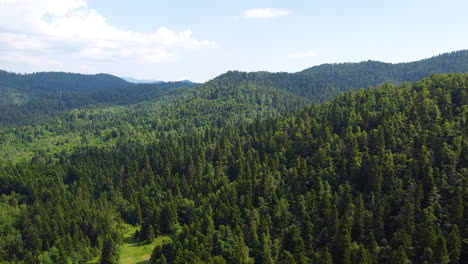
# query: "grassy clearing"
133, 252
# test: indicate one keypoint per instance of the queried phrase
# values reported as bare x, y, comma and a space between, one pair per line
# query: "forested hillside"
335, 78
26, 98
25, 108
220, 102
48, 82
377, 175
324, 82
154, 111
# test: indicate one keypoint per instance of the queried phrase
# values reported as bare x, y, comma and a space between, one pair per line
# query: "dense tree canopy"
149, 112
377, 175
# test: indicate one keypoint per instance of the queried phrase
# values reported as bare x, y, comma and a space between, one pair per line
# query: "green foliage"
150, 235
377, 175
25, 98
133, 251
158, 110
454, 245
110, 252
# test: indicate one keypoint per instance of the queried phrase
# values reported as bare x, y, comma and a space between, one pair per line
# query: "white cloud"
303, 54
20, 41
266, 12
63, 7
64, 27
30, 60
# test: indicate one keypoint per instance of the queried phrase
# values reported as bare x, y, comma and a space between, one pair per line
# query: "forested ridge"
27, 98
46, 82
103, 117
324, 82
377, 175
223, 101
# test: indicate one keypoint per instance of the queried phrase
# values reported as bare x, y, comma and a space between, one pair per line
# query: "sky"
198, 40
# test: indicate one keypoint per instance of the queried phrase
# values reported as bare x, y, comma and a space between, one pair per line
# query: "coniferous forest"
355, 163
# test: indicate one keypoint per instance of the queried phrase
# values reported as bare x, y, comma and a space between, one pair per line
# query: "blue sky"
198, 40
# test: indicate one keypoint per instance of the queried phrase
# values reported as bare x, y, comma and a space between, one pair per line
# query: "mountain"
137, 93
241, 96
186, 81
324, 82
139, 81
160, 112
339, 77
154, 111
376, 175
28, 98
51, 82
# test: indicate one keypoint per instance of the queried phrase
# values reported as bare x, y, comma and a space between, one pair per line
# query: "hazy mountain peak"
138, 81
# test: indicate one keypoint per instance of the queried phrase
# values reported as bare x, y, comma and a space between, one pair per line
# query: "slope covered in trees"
51, 82
324, 82
375, 176
221, 102
161, 109
20, 108
25, 98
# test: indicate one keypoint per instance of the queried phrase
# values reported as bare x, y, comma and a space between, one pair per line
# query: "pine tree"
358, 225
265, 256
399, 256
161, 260
326, 257
168, 218
150, 235
241, 252
454, 245
363, 256
287, 258
342, 244
440, 251
110, 252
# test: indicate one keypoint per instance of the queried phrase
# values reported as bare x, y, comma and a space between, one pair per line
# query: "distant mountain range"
49, 82
47, 93
26, 97
325, 81
142, 81
138, 81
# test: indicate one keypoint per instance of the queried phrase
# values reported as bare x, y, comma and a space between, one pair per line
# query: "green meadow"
134, 252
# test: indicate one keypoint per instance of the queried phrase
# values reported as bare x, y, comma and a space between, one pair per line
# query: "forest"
27, 98
340, 163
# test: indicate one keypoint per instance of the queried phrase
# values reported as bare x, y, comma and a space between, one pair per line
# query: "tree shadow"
132, 242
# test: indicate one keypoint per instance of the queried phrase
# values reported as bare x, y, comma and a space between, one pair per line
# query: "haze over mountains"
133, 80
350, 163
